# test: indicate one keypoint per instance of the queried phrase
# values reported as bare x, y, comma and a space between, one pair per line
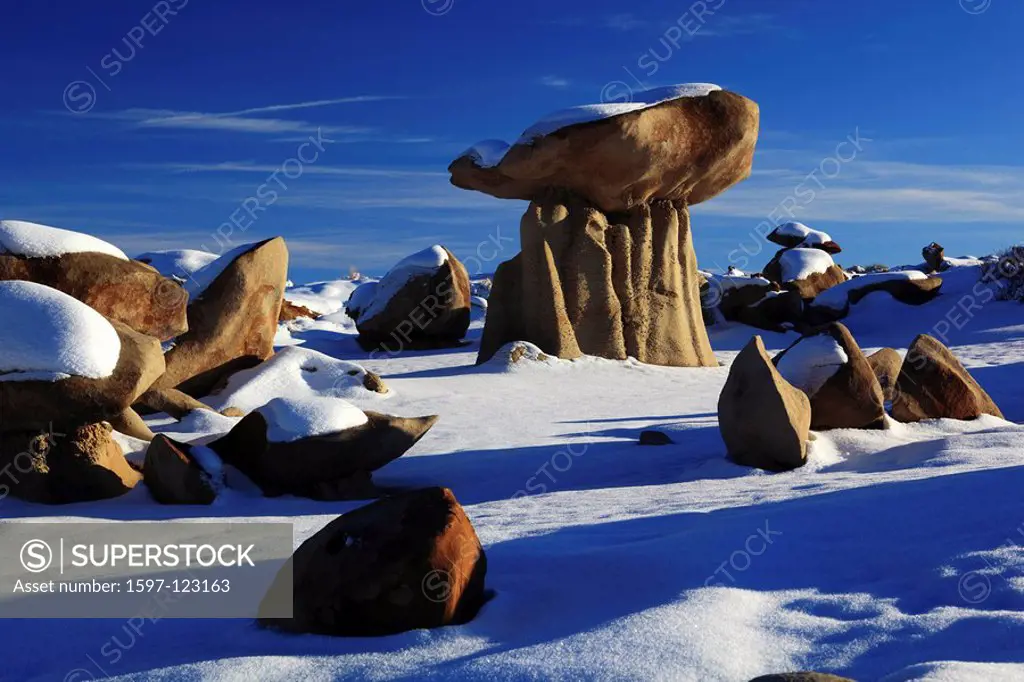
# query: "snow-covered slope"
803, 262
47, 335
893, 555
41, 241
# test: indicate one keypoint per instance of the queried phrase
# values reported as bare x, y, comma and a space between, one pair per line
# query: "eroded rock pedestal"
612, 285
607, 266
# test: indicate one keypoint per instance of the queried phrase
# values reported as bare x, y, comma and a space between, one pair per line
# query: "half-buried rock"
96, 273
886, 364
401, 563
933, 384
831, 369
62, 364
807, 270
422, 302
175, 475
317, 447
60, 467
907, 286
763, 419
793, 235
234, 306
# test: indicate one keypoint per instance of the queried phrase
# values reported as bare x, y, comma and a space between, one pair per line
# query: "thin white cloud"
554, 82
869, 191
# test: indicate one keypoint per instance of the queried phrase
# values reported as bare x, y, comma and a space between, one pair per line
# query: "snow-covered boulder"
32, 240
806, 270
906, 286
322, 448
405, 562
233, 311
683, 142
797, 235
933, 384
764, 420
832, 370
298, 373
64, 364
95, 273
423, 301
518, 354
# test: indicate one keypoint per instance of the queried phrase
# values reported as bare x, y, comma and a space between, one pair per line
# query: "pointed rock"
173, 475
886, 364
763, 419
932, 384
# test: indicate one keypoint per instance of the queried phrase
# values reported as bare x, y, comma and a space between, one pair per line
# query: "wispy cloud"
728, 26
876, 191
249, 120
554, 82
616, 22
312, 169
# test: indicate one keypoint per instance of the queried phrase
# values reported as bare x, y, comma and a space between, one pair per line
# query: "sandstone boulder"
763, 419
292, 311
777, 311
173, 475
171, 401
122, 290
68, 403
932, 384
832, 370
402, 563
793, 235
686, 149
934, 257
422, 302
232, 321
80, 464
334, 466
801, 677
806, 270
613, 286
131, 424
886, 364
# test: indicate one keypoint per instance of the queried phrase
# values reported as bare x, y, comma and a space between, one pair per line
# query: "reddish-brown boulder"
763, 419
232, 323
932, 384
402, 563
292, 311
123, 290
173, 475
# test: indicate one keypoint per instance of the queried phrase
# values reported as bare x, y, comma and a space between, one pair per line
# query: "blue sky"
150, 124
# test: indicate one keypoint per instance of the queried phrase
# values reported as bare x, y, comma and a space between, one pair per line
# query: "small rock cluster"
824, 381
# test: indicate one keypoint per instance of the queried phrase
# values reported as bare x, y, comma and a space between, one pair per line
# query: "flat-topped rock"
683, 143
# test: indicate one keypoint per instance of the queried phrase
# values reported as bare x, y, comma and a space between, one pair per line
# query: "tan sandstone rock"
124, 290
932, 384
886, 364
319, 467
79, 464
763, 419
851, 398
69, 403
687, 149
233, 323
402, 563
586, 283
131, 424
429, 310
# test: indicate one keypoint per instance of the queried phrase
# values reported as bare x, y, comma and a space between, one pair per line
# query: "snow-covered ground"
892, 555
